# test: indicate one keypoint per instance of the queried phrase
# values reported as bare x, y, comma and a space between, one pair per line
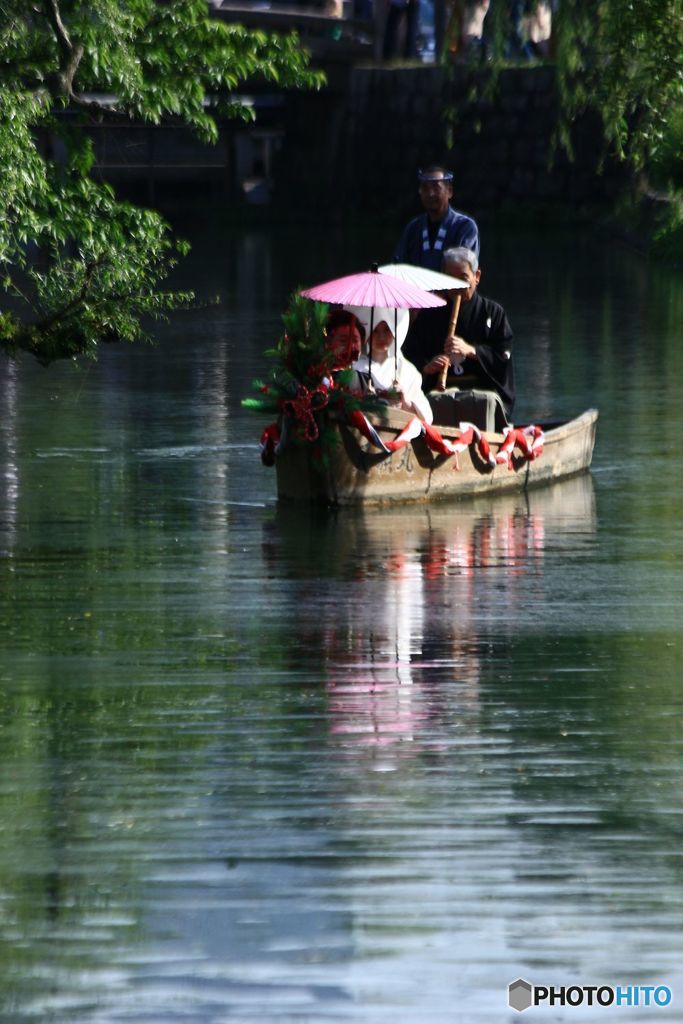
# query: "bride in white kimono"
390, 368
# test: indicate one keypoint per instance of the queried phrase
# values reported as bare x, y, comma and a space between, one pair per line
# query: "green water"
264, 766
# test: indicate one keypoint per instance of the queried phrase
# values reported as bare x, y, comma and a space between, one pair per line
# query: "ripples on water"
266, 765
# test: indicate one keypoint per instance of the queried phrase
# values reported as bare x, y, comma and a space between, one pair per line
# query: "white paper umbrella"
421, 277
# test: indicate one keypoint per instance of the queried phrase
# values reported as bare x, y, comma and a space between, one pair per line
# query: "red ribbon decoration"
269, 444
301, 409
411, 430
468, 435
432, 437
529, 441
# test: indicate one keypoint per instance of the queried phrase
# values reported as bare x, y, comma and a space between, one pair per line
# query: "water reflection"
273, 768
9, 468
432, 588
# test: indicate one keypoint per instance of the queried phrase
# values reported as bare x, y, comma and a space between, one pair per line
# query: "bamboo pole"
441, 386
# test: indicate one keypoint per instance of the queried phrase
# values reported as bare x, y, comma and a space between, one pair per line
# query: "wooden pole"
441, 386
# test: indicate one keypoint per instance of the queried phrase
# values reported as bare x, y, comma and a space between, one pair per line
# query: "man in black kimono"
477, 355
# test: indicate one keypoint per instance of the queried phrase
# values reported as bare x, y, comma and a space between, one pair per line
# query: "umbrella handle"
441, 386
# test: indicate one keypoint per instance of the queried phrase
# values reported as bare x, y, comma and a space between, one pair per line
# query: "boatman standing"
440, 227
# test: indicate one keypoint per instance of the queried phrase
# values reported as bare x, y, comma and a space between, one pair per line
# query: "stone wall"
357, 145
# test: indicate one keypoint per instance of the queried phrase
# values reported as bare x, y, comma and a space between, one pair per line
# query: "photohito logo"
522, 995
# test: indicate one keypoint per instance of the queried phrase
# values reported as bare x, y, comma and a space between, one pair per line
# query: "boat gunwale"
555, 430
528, 474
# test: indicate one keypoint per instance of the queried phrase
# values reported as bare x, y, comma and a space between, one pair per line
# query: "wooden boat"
357, 473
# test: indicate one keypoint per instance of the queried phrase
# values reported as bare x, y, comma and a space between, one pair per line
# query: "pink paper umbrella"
373, 289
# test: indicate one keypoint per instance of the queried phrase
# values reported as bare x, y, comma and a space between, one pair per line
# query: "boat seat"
484, 409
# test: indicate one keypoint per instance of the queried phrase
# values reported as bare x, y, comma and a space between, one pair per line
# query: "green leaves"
156, 59
85, 267
624, 60
101, 266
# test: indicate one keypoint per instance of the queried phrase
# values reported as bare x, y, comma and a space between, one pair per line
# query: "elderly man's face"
435, 194
464, 272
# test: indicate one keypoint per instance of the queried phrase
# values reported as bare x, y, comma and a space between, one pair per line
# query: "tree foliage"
77, 265
623, 59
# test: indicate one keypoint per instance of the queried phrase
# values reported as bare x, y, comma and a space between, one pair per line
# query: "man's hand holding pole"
441, 386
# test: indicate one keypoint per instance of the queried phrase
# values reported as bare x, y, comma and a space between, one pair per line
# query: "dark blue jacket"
414, 246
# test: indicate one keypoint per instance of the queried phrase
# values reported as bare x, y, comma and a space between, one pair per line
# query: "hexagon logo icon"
519, 995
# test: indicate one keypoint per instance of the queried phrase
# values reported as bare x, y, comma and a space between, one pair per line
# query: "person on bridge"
472, 362
406, 12
440, 227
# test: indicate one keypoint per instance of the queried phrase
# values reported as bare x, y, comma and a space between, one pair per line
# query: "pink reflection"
412, 631
377, 711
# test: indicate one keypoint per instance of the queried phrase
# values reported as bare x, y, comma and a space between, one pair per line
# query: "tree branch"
95, 107
71, 53
58, 27
45, 325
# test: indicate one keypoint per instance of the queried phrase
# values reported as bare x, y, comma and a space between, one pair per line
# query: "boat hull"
357, 473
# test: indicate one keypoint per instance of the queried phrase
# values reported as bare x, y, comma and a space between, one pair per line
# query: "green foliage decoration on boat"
304, 382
